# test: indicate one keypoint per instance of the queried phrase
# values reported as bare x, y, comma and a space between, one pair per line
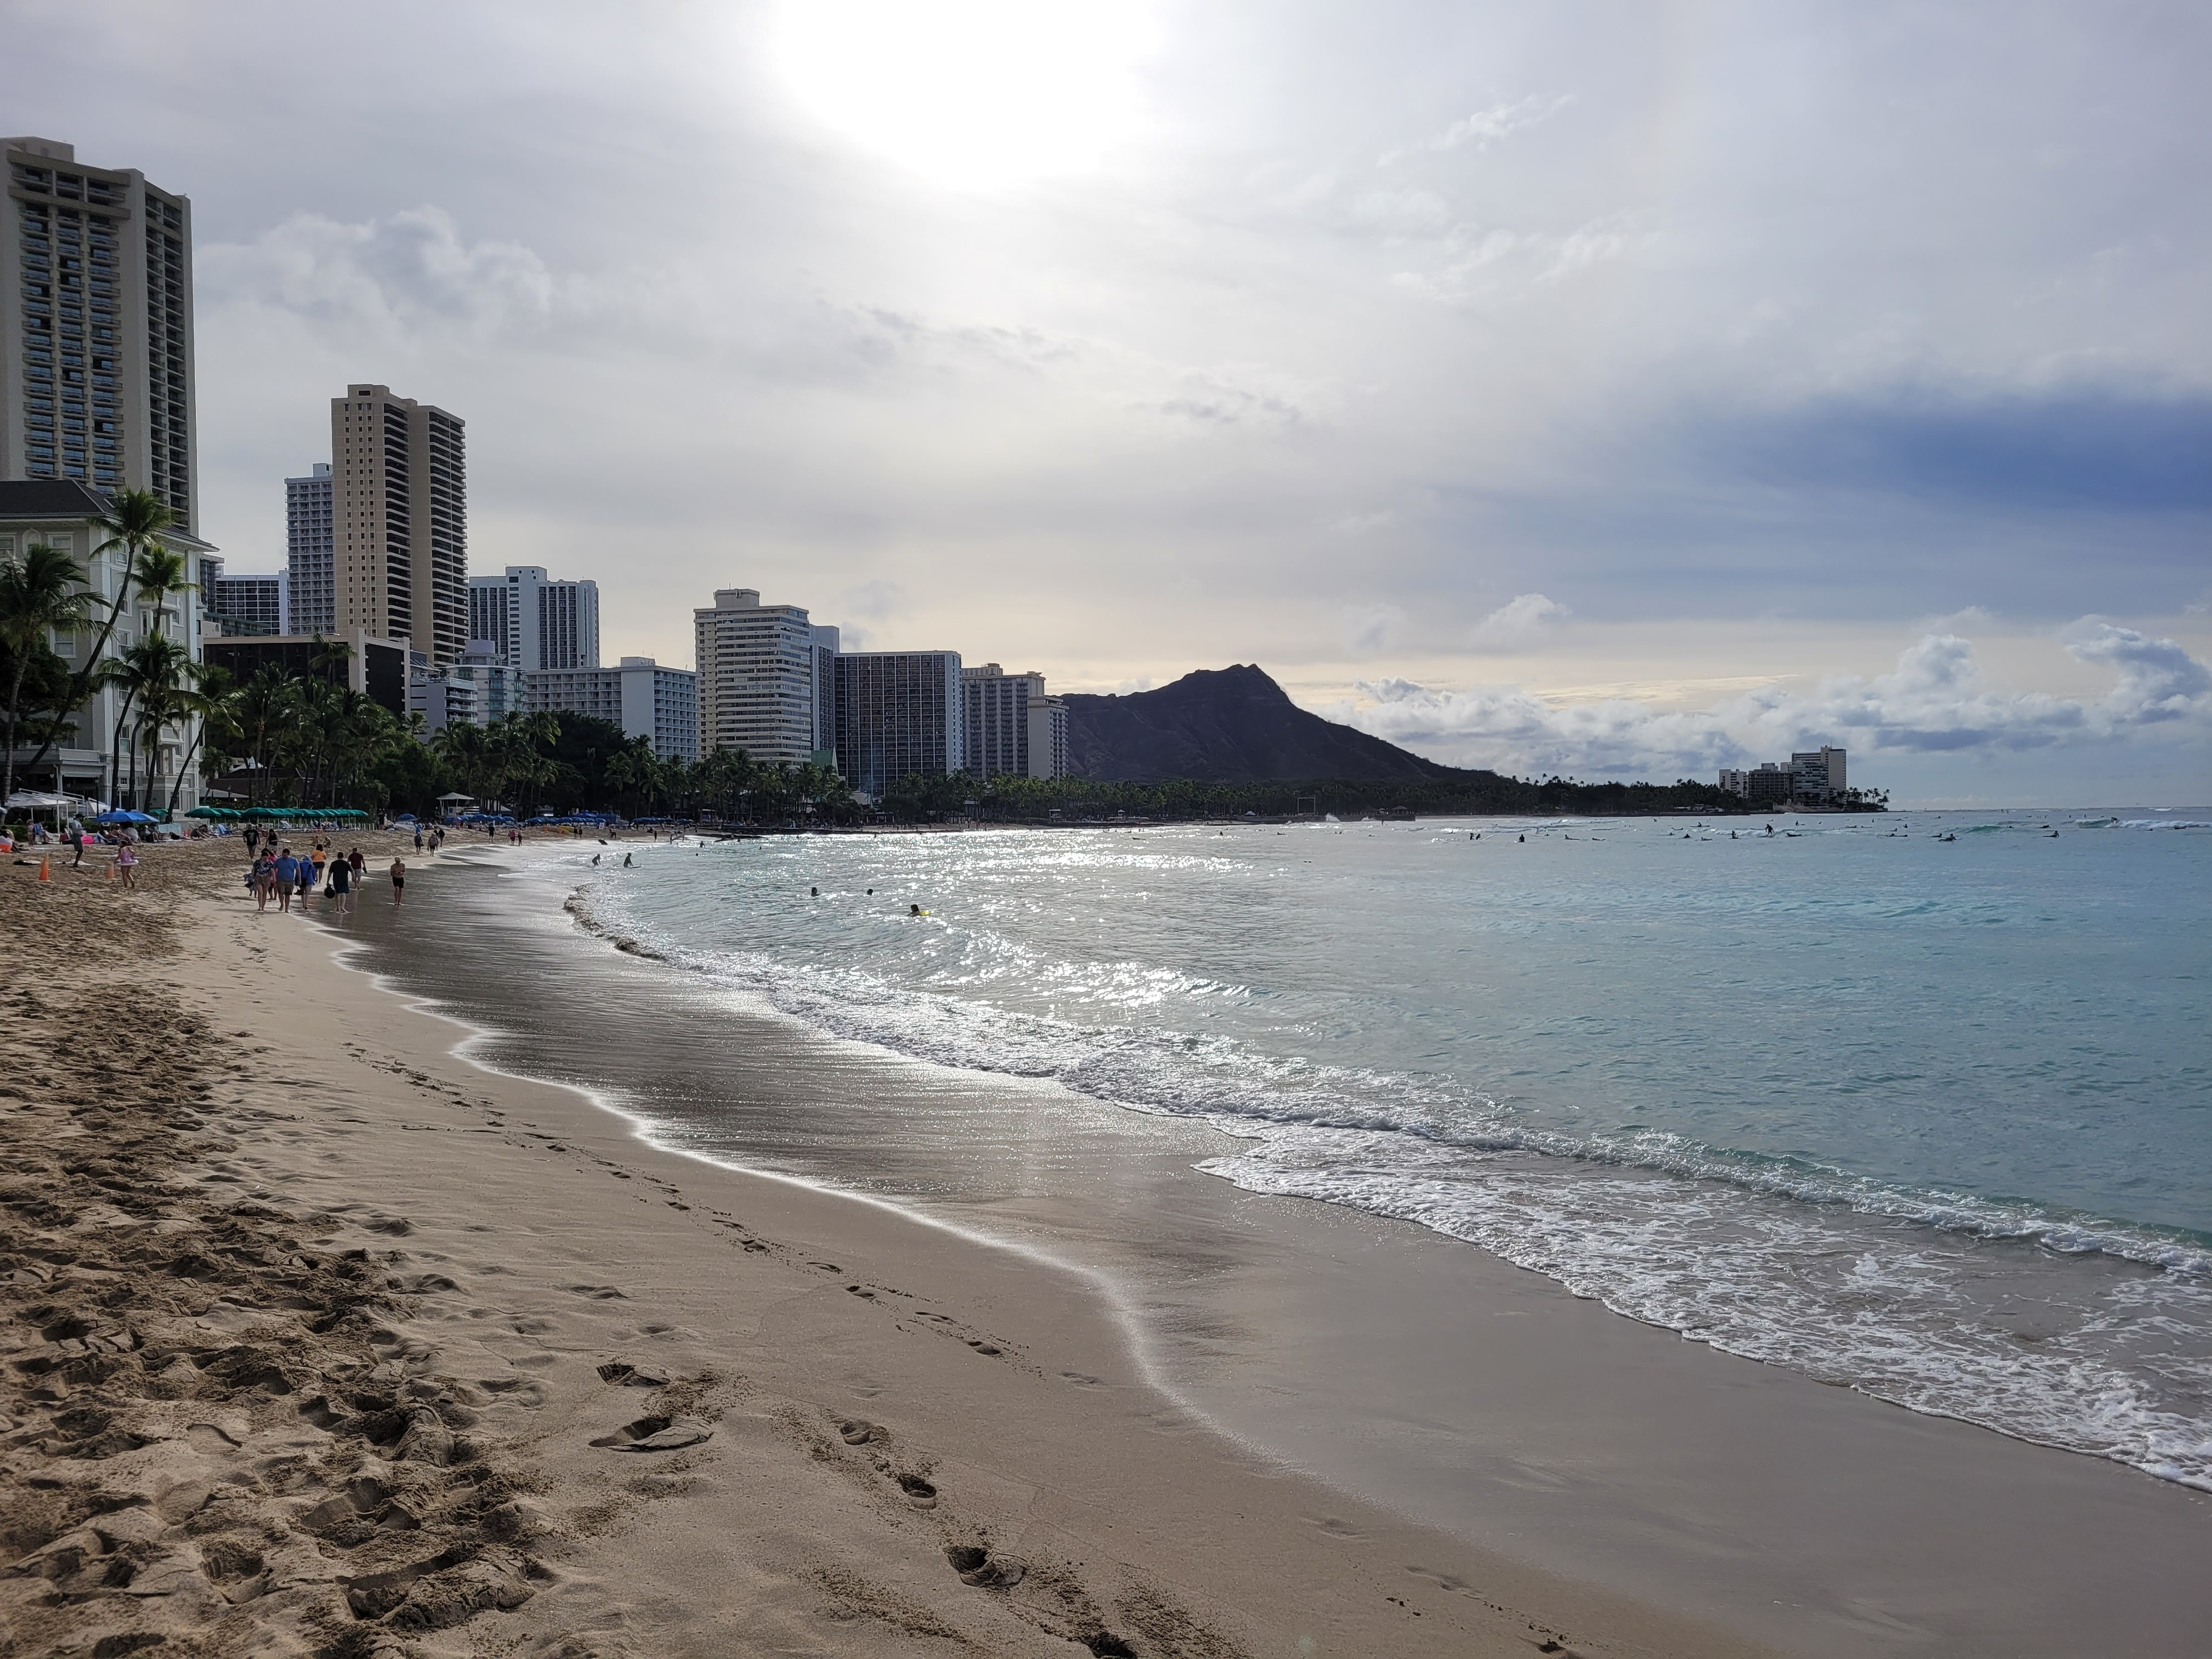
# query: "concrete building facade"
400, 529
308, 562
757, 666
1013, 727
898, 712
241, 605
1817, 774
64, 513
640, 695
476, 691
96, 357
536, 621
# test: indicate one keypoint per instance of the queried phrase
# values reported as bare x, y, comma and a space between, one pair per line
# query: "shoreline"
407, 1464
1814, 1518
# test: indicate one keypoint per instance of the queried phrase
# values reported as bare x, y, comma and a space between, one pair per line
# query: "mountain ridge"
1232, 725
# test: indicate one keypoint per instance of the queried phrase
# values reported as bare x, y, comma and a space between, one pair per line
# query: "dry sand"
321, 1340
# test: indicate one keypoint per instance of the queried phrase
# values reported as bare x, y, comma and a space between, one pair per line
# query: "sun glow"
973, 93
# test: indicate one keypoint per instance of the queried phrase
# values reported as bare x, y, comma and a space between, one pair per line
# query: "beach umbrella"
126, 818
206, 812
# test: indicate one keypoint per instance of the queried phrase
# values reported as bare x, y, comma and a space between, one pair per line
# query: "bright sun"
973, 93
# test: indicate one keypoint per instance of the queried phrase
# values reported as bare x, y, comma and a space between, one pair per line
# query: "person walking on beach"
305, 868
342, 884
418, 840
126, 864
360, 866
398, 880
286, 871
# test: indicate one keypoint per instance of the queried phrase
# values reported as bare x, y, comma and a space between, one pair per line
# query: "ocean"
1917, 1104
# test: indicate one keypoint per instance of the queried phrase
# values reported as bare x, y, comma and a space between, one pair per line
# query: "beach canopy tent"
41, 800
223, 812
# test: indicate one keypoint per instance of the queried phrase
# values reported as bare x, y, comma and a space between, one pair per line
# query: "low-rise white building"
93, 757
640, 697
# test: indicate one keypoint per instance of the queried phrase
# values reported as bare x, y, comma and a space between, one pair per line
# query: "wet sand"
1415, 1371
322, 1340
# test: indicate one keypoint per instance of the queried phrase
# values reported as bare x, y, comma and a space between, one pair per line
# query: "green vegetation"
1030, 801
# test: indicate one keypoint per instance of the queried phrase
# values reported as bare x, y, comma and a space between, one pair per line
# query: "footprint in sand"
919, 1493
600, 1292
858, 1431
628, 1376
654, 1434
975, 1566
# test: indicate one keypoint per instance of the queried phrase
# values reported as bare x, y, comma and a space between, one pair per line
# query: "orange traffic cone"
44, 873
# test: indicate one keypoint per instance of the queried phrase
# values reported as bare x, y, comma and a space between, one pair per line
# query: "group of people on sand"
284, 876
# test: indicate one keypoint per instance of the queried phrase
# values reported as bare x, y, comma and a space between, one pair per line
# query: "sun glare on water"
973, 93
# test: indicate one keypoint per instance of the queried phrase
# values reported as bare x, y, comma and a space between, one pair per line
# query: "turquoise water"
1930, 1117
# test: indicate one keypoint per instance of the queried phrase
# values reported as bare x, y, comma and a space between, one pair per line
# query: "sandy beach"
322, 1342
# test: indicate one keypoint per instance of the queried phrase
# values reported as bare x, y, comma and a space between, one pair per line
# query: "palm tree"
145, 673
41, 590
158, 573
262, 714
206, 702
134, 523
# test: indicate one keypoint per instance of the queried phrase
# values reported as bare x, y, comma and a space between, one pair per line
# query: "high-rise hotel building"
899, 713
96, 328
309, 562
1013, 728
399, 521
758, 677
534, 621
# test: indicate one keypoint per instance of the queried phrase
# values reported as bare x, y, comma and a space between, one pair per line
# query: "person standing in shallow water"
399, 881
342, 884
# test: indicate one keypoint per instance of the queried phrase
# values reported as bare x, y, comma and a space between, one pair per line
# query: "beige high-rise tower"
399, 521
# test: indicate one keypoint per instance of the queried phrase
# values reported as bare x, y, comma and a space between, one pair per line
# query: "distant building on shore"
476, 691
1817, 774
640, 695
312, 597
758, 669
399, 498
899, 712
241, 605
536, 621
1813, 778
1011, 727
96, 363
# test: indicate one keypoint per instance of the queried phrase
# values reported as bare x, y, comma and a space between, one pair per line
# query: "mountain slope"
1230, 725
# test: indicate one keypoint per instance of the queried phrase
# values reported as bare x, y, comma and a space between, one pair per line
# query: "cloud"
1482, 129
1517, 622
1934, 702
874, 600
1368, 628
1497, 263
2109, 447
389, 278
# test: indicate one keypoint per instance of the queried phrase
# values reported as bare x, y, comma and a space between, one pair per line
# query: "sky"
1616, 389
